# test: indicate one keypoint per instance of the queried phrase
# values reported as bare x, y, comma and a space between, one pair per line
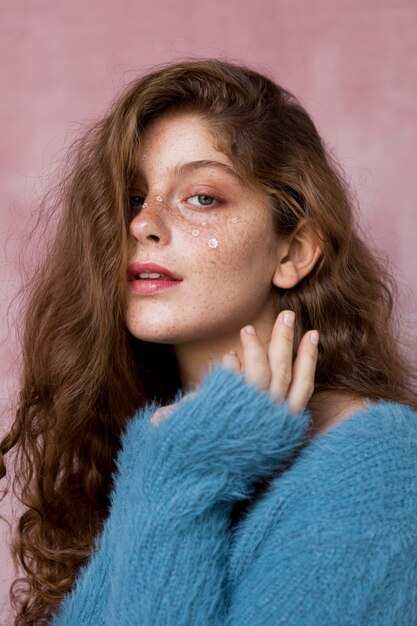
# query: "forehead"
175, 125
181, 144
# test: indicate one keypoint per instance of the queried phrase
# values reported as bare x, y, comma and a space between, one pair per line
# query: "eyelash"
132, 201
217, 200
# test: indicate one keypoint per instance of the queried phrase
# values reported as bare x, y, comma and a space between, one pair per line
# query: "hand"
162, 413
166, 410
270, 369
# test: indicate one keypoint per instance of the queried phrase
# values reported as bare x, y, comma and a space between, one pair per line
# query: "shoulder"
341, 522
355, 482
365, 468
384, 429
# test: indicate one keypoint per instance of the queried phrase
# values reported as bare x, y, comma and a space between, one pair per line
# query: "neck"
330, 407
327, 408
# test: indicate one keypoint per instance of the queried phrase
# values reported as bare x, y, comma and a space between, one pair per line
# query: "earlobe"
296, 257
285, 275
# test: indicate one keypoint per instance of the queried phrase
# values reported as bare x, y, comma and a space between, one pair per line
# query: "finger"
304, 371
162, 413
280, 353
232, 362
256, 368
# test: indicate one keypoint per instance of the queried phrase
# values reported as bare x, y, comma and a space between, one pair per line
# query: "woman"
187, 452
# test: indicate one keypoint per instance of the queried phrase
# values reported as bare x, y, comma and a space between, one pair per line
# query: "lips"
134, 269
150, 285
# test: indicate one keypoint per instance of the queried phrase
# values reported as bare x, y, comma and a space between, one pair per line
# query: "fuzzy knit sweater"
330, 541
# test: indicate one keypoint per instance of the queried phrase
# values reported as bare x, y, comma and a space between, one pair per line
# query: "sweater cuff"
228, 430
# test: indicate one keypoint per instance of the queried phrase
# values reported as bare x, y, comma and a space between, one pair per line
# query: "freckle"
213, 243
159, 198
143, 157
195, 232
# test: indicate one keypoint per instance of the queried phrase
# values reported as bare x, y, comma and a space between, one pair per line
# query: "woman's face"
199, 221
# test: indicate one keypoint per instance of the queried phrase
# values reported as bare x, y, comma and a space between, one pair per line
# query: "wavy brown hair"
83, 374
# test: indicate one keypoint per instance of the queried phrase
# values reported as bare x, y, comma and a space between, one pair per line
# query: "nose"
151, 223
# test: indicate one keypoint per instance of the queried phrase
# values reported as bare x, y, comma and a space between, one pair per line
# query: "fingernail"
314, 337
289, 317
249, 330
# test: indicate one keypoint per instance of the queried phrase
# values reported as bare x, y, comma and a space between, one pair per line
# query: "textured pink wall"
353, 63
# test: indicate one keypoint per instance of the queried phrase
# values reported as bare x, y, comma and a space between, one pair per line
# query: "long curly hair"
84, 375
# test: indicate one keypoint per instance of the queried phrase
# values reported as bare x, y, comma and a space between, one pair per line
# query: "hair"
84, 375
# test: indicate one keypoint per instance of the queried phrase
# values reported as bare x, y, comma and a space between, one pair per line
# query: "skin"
224, 289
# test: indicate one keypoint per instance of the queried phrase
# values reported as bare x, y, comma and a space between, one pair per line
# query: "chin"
175, 334
161, 335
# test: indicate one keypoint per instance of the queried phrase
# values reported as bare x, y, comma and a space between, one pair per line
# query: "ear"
297, 254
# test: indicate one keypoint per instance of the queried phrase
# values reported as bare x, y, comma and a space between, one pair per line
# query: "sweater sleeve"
87, 604
341, 549
162, 558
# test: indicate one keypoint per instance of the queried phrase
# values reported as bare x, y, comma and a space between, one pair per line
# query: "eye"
136, 202
204, 200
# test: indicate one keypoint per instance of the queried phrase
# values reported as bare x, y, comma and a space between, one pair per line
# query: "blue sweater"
331, 541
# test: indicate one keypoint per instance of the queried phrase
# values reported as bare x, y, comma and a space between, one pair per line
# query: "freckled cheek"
199, 238
242, 246
230, 246
218, 253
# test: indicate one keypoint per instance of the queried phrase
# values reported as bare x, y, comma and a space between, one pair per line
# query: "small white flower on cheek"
213, 243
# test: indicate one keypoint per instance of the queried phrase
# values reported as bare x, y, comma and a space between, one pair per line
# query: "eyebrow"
184, 168
191, 166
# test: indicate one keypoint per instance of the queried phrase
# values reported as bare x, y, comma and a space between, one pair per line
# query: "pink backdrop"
353, 63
